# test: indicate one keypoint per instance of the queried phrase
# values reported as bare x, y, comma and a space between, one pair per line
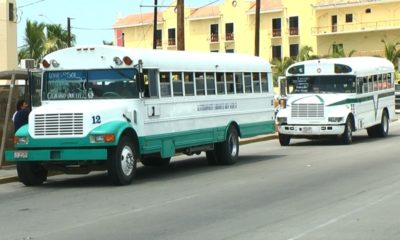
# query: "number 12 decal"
96, 119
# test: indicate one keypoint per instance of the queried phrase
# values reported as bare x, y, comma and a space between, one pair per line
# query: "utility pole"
180, 24
155, 25
257, 30
69, 31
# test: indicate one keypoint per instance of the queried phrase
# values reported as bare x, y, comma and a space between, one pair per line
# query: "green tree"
279, 68
305, 54
34, 41
41, 39
338, 51
57, 38
391, 52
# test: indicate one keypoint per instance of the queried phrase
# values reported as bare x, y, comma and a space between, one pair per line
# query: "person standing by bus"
20, 117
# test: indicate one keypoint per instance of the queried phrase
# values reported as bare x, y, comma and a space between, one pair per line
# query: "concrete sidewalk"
9, 173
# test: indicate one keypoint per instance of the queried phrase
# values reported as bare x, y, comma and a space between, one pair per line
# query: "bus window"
230, 87
239, 82
247, 83
150, 82
220, 83
389, 80
375, 80
200, 90
370, 84
264, 82
165, 84
210, 77
365, 85
177, 84
189, 84
359, 85
256, 82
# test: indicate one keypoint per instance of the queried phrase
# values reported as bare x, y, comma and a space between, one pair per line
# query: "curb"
14, 178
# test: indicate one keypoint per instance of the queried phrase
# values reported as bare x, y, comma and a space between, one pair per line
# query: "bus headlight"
102, 138
21, 140
281, 120
335, 119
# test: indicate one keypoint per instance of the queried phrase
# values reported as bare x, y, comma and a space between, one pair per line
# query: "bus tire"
122, 161
382, 129
228, 150
284, 139
347, 136
212, 158
31, 174
155, 161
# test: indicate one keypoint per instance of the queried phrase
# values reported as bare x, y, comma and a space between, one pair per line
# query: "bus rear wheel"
284, 139
31, 174
122, 161
382, 129
227, 151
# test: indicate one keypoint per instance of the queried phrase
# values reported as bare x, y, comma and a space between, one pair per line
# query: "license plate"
307, 129
21, 154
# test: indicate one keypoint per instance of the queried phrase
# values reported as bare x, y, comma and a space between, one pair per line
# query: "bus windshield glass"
321, 84
90, 84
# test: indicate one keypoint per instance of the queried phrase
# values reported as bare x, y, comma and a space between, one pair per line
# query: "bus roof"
359, 66
85, 58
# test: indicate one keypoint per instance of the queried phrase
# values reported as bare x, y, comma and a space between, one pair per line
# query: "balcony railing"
214, 37
229, 37
357, 27
171, 42
276, 32
294, 31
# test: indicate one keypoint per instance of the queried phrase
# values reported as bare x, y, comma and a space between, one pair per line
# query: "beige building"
8, 35
285, 26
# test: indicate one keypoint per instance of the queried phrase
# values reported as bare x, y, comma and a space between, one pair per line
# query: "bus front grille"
308, 110
58, 124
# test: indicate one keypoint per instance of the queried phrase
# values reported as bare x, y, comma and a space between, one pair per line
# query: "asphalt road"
309, 190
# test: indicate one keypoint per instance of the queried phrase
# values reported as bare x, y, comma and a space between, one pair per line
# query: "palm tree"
57, 38
41, 39
34, 41
304, 54
279, 68
338, 51
391, 52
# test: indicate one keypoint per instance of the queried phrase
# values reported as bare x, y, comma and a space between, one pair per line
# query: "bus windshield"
321, 84
90, 84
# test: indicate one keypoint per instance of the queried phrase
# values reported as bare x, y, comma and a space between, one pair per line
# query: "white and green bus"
106, 108
334, 97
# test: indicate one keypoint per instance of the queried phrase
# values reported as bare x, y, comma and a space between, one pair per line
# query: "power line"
30, 4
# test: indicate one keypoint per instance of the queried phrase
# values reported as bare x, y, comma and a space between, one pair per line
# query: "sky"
91, 20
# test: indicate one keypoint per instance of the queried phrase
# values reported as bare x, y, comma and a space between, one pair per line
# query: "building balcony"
357, 27
171, 42
229, 37
214, 37
276, 32
294, 31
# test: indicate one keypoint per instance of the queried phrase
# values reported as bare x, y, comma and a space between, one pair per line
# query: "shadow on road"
180, 167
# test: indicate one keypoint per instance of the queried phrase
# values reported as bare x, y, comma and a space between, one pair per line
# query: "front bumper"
311, 130
47, 155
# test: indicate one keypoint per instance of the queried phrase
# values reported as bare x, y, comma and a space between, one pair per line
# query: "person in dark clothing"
20, 117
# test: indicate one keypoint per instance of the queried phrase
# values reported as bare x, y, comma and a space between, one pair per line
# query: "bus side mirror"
140, 81
282, 86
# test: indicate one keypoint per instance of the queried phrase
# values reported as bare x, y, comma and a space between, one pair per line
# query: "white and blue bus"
334, 97
106, 108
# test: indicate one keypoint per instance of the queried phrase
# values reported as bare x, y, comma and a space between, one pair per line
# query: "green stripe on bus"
159, 143
360, 100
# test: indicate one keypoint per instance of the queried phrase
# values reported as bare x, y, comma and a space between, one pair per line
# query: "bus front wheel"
31, 174
122, 161
347, 136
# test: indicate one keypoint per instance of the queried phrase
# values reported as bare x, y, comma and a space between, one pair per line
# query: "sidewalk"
9, 173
